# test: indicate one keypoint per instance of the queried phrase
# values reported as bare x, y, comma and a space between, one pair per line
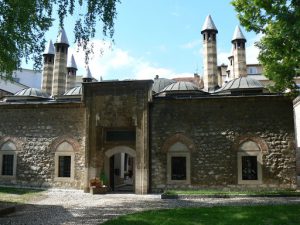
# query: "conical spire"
238, 34
49, 50
209, 24
62, 37
88, 73
71, 62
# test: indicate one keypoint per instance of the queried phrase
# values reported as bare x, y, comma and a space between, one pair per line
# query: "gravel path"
75, 207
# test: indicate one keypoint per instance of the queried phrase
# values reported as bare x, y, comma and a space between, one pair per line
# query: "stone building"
145, 136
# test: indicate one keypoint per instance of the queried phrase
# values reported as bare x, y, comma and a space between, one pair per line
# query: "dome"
160, 83
182, 89
32, 92
181, 86
74, 91
242, 84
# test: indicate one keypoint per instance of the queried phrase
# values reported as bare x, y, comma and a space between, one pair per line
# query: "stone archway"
119, 167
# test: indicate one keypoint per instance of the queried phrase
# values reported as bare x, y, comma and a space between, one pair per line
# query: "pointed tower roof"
88, 73
49, 50
71, 62
238, 34
209, 25
62, 37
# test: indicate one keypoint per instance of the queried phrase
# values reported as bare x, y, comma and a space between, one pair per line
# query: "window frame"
187, 156
258, 155
59, 153
8, 152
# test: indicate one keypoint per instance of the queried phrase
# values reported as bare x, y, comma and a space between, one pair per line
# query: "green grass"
19, 195
228, 193
225, 215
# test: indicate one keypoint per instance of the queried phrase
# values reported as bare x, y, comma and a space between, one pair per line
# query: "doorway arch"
120, 168
120, 149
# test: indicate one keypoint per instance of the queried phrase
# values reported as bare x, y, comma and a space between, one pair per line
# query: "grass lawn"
220, 215
19, 195
228, 193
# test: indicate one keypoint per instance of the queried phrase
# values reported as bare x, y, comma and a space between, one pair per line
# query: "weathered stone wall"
118, 106
216, 126
37, 129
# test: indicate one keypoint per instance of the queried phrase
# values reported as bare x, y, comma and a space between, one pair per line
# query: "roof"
241, 84
74, 91
88, 73
62, 37
49, 50
32, 92
71, 62
181, 86
209, 24
161, 83
238, 34
181, 89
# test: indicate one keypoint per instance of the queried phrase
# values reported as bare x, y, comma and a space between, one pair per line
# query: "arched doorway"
120, 168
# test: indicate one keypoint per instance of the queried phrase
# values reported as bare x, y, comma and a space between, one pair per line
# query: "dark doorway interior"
121, 172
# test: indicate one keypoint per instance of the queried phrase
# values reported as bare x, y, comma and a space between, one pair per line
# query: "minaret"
48, 68
210, 75
60, 64
71, 73
230, 70
239, 53
88, 76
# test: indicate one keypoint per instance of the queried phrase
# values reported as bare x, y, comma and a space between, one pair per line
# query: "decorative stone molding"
179, 137
13, 139
259, 141
65, 138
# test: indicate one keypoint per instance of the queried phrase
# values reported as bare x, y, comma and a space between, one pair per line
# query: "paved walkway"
75, 207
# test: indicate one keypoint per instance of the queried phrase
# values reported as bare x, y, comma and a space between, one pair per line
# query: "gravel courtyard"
75, 207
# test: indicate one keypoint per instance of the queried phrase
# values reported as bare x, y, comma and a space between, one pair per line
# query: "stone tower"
71, 73
60, 64
239, 54
88, 76
209, 32
48, 68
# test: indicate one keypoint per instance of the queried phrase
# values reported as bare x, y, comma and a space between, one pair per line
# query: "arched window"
249, 163
8, 159
178, 164
64, 161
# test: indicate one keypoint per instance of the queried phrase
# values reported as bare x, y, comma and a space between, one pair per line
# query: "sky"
159, 37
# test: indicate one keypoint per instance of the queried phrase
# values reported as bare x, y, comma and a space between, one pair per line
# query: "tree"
24, 23
279, 23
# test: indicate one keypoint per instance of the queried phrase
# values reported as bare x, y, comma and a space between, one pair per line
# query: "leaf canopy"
23, 25
279, 23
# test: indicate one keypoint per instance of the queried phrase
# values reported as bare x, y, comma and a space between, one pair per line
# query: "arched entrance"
120, 168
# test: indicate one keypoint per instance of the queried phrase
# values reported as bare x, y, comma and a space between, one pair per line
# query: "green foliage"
24, 23
103, 178
221, 215
278, 21
19, 195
